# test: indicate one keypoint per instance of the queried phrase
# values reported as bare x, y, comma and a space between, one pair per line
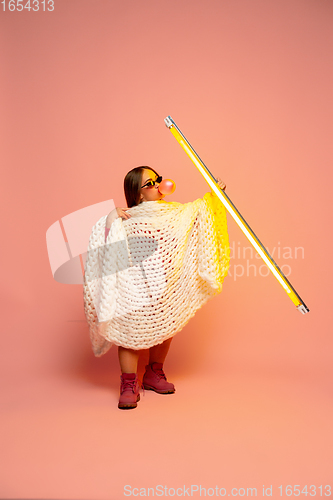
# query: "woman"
140, 294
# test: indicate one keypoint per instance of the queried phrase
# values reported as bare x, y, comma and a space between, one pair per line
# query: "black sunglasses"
152, 183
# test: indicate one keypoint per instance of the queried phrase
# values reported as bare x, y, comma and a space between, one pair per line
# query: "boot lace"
160, 373
130, 385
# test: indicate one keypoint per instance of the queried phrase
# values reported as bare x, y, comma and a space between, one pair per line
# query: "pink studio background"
84, 92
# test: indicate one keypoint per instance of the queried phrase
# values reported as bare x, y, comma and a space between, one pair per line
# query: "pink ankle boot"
154, 379
129, 391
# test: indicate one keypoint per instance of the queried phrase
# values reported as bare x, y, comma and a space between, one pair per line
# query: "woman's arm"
113, 215
221, 184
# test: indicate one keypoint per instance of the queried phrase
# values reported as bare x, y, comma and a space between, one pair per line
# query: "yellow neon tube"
293, 295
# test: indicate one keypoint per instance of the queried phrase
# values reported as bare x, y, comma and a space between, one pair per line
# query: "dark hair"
132, 185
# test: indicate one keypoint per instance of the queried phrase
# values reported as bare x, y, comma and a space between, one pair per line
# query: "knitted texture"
154, 272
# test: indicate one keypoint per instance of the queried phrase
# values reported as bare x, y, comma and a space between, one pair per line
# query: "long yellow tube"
293, 295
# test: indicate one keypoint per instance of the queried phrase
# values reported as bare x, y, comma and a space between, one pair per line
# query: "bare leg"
158, 353
128, 360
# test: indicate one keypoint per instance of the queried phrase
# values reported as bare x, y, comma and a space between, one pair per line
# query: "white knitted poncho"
155, 270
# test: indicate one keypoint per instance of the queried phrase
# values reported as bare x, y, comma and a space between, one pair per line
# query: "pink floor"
64, 437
